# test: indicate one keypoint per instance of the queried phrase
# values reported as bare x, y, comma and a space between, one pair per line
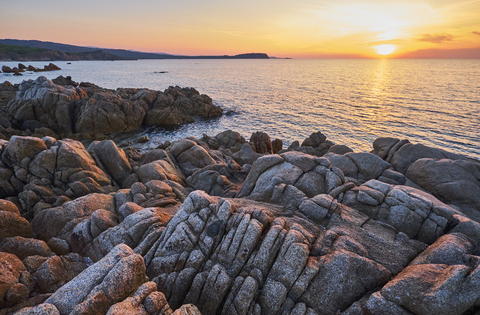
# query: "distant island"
34, 50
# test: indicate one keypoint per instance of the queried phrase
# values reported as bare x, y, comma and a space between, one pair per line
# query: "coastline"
222, 224
316, 95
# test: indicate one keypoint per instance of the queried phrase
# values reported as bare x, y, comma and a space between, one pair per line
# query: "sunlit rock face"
222, 253
452, 178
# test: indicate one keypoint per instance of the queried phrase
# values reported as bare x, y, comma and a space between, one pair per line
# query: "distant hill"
20, 53
117, 53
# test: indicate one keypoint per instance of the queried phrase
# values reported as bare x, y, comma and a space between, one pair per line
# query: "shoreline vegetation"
221, 224
32, 50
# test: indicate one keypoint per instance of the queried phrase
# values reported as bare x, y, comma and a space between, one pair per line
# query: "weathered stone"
178, 105
434, 289
261, 143
106, 112
382, 146
46, 102
232, 256
130, 231
113, 160
102, 220
24, 247
246, 155
103, 284
127, 209
282, 173
59, 246
11, 223
58, 270
345, 164
452, 181
409, 153
314, 140
41, 309
339, 149
369, 165
231, 140
48, 223
75, 163
19, 149
450, 249
12, 291
259, 166
159, 170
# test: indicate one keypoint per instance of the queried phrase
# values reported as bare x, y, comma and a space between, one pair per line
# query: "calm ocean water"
353, 102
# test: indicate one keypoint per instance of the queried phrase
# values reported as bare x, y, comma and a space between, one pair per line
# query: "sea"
435, 102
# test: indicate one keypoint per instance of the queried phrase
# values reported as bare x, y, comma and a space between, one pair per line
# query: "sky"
281, 28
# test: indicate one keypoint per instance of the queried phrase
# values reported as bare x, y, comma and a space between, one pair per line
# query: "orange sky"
297, 29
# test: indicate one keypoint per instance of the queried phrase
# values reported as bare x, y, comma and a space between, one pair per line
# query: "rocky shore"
22, 68
222, 225
63, 108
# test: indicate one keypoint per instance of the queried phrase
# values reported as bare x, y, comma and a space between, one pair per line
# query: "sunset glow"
309, 29
385, 49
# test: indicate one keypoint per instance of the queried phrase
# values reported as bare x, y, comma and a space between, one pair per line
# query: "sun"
385, 49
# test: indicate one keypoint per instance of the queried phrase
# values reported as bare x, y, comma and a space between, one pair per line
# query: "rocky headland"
222, 225
63, 108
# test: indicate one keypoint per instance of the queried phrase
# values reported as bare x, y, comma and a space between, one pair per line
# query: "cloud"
476, 33
437, 39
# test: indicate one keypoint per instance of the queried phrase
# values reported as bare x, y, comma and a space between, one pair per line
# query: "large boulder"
48, 103
60, 221
190, 156
106, 112
45, 172
77, 169
177, 105
455, 182
246, 155
216, 180
290, 177
11, 222
110, 280
435, 289
411, 211
401, 153
58, 270
111, 159
231, 140
147, 300
7, 93
139, 229
15, 281
316, 144
361, 167
41, 309
23, 247
20, 150
159, 170
261, 143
